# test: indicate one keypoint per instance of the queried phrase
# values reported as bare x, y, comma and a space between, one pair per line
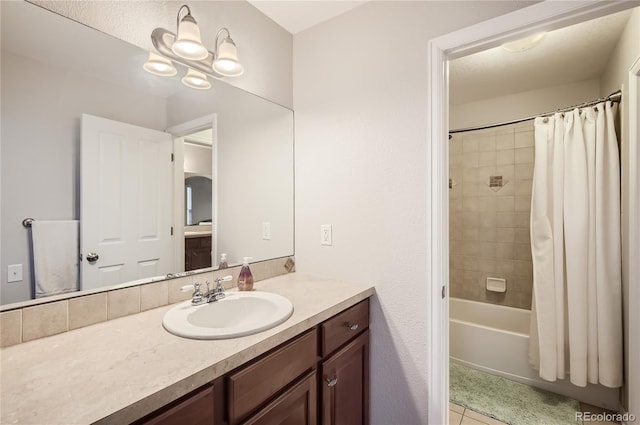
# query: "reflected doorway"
198, 199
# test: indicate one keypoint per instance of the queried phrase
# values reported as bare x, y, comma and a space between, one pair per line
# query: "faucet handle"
223, 279
195, 287
197, 298
219, 280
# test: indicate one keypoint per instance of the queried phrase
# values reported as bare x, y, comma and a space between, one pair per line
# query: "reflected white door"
125, 202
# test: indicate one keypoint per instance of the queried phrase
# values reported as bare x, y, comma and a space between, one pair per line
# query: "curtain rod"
613, 97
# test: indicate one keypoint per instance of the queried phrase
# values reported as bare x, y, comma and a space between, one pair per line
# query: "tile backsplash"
489, 211
26, 323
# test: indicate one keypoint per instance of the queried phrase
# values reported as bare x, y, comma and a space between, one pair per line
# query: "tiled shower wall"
489, 226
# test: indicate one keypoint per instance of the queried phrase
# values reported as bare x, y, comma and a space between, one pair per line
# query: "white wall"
616, 76
264, 48
360, 91
197, 159
520, 105
41, 109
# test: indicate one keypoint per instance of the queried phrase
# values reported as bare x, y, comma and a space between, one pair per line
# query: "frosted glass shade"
188, 44
226, 62
196, 80
159, 65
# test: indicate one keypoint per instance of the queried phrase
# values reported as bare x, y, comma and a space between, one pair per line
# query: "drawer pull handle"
331, 382
352, 326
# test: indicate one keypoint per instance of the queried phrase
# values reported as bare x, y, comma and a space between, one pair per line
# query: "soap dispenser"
245, 279
223, 262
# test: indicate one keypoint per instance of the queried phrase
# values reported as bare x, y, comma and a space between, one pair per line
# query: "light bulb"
159, 65
188, 44
196, 80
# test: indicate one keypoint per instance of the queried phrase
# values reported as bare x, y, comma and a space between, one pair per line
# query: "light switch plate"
325, 234
14, 273
266, 230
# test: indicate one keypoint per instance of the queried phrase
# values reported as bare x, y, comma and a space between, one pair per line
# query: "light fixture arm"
184, 6
222, 30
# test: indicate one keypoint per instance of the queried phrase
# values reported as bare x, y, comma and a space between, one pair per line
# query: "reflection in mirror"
198, 200
45, 90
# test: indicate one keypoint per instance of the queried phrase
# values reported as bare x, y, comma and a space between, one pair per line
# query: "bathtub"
495, 339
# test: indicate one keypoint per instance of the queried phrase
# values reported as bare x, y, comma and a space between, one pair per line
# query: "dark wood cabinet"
197, 253
296, 406
196, 408
345, 384
318, 377
254, 384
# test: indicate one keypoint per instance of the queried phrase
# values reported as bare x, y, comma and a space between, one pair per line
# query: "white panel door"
125, 202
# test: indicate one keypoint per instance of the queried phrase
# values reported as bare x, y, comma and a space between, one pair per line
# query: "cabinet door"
345, 384
297, 406
195, 409
197, 253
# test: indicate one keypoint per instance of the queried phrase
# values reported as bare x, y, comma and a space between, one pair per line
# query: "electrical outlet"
325, 234
266, 231
14, 273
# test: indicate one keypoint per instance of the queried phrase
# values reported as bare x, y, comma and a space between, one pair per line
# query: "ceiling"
494, 72
554, 61
296, 16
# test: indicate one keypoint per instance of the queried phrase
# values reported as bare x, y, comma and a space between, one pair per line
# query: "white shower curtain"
576, 322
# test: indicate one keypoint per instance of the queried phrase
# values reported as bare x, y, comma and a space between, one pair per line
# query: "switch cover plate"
325, 235
266, 230
14, 273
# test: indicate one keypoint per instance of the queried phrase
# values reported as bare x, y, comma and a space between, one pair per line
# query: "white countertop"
197, 234
117, 371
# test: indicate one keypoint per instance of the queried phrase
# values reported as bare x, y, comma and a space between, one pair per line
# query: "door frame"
634, 236
178, 132
544, 16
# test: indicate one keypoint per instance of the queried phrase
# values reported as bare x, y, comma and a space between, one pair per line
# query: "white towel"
55, 256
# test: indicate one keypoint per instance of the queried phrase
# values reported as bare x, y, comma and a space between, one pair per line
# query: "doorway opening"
195, 189
543, 16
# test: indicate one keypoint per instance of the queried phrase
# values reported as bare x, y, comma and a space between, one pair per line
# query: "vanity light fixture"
186, 49
196, 80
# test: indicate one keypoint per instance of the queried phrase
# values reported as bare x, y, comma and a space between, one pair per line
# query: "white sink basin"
239, 314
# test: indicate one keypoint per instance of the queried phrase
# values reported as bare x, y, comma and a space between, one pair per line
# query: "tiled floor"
458, 415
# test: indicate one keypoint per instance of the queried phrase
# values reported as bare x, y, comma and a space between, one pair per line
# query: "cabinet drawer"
205, 242
253, 385
199, 242
194, 409
344, 326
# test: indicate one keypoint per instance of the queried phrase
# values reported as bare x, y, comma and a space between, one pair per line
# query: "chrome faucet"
212, 295
218, 292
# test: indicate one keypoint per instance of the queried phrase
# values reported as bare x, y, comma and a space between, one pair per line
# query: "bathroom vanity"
281, 387
311, 369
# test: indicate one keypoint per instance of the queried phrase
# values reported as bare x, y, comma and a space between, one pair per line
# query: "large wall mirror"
228, 189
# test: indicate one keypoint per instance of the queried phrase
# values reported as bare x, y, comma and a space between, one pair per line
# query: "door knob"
92, 257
